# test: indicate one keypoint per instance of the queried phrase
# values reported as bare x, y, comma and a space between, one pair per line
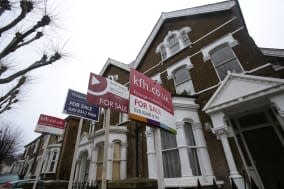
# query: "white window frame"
185, 85
164, 47
176, 148
119, 159
184, 67
173, 42
157, 78
194, 147
51, 160
226, 40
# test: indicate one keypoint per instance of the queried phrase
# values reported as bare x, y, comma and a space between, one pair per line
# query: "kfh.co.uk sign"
150, 103
107, 93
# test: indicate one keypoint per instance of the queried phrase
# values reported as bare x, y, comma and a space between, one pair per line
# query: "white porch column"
93, 165
151, 153
183, 150
82, 169
221, 130
123, 161
159, 156
202, 152
278, 104
77, 170
109, 161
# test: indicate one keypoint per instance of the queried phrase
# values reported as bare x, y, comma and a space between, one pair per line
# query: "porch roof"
239, 88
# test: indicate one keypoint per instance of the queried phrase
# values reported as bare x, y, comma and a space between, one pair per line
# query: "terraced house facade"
228, 98
228, 103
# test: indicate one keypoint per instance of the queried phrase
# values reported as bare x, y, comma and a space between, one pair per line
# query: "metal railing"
85, 185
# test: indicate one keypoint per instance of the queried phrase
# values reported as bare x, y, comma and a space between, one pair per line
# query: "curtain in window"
171, 160
185, 38
163, 52
116, 161
173, 43
192, 153
181, 75
224, 60
86, 176
100, 161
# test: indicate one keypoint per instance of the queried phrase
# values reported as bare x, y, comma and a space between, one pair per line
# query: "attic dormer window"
163, 52
173, 42
185, 38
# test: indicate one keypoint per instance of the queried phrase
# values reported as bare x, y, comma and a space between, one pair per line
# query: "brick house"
228, 98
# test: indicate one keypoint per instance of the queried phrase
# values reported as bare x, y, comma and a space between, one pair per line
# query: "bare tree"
20, 40
10, 142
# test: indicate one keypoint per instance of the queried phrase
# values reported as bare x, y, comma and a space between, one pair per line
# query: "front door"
262, 142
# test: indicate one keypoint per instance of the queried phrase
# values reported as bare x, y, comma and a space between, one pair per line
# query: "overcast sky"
90, 32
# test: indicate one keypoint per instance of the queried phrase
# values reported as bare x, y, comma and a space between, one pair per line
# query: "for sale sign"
50, 124
76, 104
150, 103
107, 93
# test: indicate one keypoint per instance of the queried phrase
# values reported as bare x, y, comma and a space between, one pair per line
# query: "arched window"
163, 52
173, 43
224, 60
185, 38
53, 162
192, 149
116, 161
100, 161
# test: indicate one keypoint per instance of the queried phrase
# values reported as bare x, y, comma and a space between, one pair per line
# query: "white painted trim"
157, 78
259, 68
184, 62
229, 39
114, 63
279, 86
223, 6
272, 52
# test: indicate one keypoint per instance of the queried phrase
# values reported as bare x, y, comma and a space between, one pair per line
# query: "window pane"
181, 75
100, 161
225, 60
171, 164
100, 152
189, 134
54, 155
185, 38
171, 160
222, 54
163, 52
116, 161
173, 44
192, 153
51, 166
193, 159
232, 66
168, 140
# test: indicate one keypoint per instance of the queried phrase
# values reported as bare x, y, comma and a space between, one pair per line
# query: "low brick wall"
133, 183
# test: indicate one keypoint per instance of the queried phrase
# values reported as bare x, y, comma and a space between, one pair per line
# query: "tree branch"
26, 7
19, 38
13, 90
44, 61
4, 6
